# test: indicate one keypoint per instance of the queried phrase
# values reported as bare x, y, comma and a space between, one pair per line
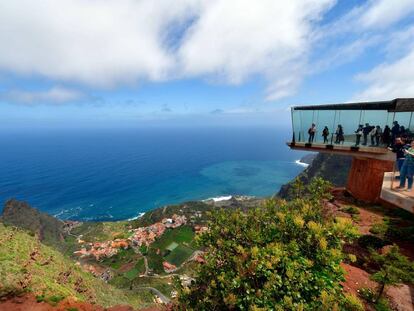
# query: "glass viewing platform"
365, 131
364, 127
343, 122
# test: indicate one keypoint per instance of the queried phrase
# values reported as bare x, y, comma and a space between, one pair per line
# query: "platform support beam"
366, 177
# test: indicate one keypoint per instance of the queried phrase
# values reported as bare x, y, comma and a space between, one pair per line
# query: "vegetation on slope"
282, 256
26, 265
331, 167
48, 228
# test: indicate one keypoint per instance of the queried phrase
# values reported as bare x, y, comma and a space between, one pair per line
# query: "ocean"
116, 174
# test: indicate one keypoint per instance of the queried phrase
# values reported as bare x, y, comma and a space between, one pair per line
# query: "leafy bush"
367, 294
393, 268
352, 303
382, 305
371, 241
370, 296
351, 210
281, 256
379, 228
55, 299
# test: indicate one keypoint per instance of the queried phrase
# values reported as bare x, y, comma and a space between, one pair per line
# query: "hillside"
48, 228
29, 266
333, 168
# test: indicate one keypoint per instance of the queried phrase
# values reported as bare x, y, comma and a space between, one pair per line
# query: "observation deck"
364, 131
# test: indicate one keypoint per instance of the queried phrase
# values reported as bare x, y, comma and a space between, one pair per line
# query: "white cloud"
389, 81
237, 39
113, 42
95, 42
55, 95
383, 13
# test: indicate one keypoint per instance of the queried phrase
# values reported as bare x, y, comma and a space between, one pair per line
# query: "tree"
392, 268
281, 256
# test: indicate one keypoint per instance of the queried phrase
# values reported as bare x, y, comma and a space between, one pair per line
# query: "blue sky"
116, 63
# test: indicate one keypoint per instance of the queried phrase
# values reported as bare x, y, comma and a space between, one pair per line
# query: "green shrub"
54, 300
351, 210
392, 268
352, 303
40, 298
281, 256
367, 294
356, 217
379, 228
371, 241
382, 305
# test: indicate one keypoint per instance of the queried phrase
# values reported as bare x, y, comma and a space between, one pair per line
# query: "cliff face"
334, 168
20, 214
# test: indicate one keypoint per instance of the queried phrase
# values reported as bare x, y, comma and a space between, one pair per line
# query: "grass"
28, 265
182, 237
102, 231
138, 269
179, 255
122, 257
184, 234
155, 261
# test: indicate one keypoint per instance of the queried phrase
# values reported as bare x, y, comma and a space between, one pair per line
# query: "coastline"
220, 200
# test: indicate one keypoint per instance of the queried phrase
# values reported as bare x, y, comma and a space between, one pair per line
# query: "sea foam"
298, 162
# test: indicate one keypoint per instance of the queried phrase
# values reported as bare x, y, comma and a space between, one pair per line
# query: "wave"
298, 162
218, 199
136, 217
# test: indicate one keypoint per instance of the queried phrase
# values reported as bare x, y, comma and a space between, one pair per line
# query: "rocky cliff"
334, 168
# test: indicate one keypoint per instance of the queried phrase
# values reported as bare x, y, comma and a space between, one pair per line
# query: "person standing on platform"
325, 135
398, 149
311, 132
365, 131
386, 136
395, 131
358, 134
339, 135
378, 135
407, 170
373, 134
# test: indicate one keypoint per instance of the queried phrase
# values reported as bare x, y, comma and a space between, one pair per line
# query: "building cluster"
100, 250
140, 236
168, 267
147, 235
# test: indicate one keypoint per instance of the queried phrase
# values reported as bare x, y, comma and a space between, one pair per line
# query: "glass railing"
350, 127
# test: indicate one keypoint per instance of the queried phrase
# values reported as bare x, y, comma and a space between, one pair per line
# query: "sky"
122, 63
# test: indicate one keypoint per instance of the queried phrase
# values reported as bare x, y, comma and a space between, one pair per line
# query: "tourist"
386, 136
395, 131
311, 132
373, 134
403, 132
398, 149
339, 135
378, 135
407, 170
365, 131
325, 134
358, 134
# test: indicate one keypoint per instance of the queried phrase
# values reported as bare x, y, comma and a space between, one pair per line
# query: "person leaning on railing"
407, 170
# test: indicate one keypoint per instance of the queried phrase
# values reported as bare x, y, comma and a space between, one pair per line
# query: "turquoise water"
117, 174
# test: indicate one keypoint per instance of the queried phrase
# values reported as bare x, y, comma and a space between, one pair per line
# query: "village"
139, 237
